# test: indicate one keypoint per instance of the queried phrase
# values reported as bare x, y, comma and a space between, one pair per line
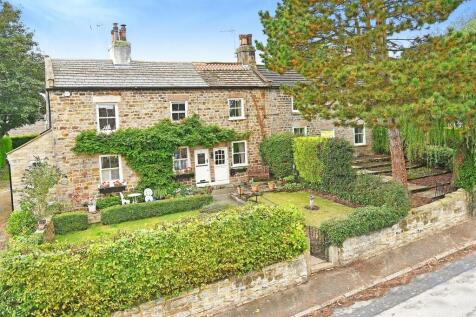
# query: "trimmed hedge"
70, 221
21, 223
5, 147
117, 214
306, 159
115, 274
277, 152
106, 202
360, 222
18, 141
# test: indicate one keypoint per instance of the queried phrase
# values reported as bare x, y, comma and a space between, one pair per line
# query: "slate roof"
76, 73
289, 78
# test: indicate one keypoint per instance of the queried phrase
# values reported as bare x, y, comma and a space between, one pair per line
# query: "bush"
292, 187
117, 214
362, 221
380, 141
277, 152
466, 176
18, 141
370, 190
5, 147
115, 274
439, 156
337, 174
70, 221
306, 159
21, 223
108, 201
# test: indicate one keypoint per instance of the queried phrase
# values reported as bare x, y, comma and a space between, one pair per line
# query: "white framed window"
294, 108
236, 109
181, 159
178, 110
359, 136
239, 151
300, 130
107, 117
110, 168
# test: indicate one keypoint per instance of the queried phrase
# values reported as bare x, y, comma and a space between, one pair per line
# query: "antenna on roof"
232, 32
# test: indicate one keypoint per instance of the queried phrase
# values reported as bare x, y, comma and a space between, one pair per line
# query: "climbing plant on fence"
149, 151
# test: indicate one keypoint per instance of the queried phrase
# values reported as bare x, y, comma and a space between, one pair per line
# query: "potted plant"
272, 185
254, 186
241, 190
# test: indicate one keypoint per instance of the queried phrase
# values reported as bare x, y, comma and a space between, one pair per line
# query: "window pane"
219, 157
115, 174
111, 112
239, 158
102, 112
201, 158
238, 147
114, 161
235, 107
105, 162
105, 175
183, 153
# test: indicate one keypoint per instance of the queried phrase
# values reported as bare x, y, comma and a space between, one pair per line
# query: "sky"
159, 30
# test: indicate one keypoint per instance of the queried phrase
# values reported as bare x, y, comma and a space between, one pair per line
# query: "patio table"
134, 196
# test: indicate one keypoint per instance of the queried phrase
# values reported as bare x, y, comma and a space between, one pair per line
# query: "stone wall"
22, 158
422, 221
216, 297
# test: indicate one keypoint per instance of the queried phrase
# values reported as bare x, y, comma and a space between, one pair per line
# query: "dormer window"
107, 118
178, 111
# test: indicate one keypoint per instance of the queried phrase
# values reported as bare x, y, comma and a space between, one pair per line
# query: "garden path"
5, 209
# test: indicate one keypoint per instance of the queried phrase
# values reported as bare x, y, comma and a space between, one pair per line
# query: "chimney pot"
115, 32
120, 50
246, 53
122, 33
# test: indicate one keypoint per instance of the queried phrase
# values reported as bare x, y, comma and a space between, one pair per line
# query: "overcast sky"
159, 30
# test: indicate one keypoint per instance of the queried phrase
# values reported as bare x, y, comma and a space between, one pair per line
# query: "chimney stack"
246, 53
120, 50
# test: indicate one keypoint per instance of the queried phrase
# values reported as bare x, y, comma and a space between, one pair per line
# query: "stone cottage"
121, 92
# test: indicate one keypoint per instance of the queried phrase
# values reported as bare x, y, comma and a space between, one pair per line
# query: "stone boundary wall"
421, 221
213, 298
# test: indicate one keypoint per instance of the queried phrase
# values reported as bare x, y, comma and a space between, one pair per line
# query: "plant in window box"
119, 183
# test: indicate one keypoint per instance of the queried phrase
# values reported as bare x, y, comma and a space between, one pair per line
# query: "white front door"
222, 170
202, 168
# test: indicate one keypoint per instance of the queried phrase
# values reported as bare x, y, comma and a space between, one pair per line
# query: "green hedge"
22, 139
21, 223
5, 147
115, 274
70, 221
117, 214
108, 201
439, 156
360, 222
277, 152
306, 159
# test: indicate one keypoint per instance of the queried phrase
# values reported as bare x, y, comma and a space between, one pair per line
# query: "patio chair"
148, 195
123, 200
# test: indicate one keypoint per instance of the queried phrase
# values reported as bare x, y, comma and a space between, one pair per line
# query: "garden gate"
318, 243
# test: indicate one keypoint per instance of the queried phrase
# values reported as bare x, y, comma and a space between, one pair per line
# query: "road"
449, 292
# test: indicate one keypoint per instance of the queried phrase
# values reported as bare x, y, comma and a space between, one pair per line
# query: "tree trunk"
399, 170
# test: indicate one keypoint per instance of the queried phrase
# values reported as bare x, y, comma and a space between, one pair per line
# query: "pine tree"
359, 66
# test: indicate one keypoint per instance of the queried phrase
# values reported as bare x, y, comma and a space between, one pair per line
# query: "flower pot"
254, 188
42, 224
241, 190
272, 185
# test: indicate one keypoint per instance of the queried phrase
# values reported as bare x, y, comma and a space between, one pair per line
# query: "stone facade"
422, 221
267, 111
216, 297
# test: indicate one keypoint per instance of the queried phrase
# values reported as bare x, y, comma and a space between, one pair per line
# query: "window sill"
239, 167
360, 144
237, 118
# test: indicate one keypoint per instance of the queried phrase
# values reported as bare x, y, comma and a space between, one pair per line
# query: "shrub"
18, 141
292, 187
337, 174
439, 156
5, 147
370, 190
380, 141
360, 222
117, 214
307, 162
21, 223
70, 221
115, 274
108, 201
277, 152
466, 176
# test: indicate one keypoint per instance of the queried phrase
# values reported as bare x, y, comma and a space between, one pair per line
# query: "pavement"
326, 286
5, 209
450, 291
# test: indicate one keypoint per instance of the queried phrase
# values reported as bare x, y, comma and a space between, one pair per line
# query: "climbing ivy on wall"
149, 151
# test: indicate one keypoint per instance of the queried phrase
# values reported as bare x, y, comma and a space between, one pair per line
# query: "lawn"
98, 231
327, 209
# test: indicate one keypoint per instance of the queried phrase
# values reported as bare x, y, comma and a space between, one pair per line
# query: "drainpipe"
11, 186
